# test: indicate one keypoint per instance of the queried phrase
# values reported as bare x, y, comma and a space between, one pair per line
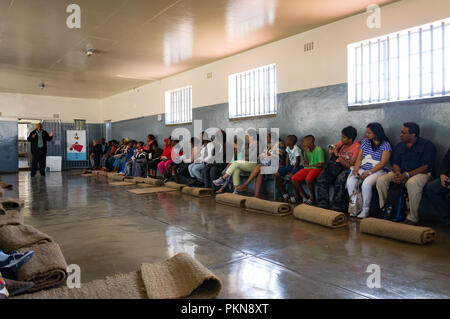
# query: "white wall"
27, 106
297, 70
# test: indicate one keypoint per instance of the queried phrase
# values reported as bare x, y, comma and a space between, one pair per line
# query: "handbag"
356, 201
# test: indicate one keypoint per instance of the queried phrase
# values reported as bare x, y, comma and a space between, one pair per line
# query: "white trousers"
366, 187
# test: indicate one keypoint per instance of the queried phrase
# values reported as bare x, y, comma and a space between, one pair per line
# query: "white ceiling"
141, 41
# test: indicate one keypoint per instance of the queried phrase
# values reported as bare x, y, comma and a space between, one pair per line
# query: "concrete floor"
107, 230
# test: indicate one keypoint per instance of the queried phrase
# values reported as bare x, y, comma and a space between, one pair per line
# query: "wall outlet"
159, 117
209, 75
309, 46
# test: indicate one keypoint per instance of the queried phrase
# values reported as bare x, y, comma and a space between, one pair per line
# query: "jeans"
195, 169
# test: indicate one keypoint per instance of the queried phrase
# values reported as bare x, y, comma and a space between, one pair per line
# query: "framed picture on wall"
76, 145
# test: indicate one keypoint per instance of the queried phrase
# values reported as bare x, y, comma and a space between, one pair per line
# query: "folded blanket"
47, 268
320, 216
178, 277
14, 237
139, 180
154, 181
11, 203
231, 199
176, 186
393, 230
257, 205
151, 190
197, 191
10, 217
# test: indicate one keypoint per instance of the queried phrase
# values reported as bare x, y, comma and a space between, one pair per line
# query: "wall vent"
56, 116
209, 75
309, 46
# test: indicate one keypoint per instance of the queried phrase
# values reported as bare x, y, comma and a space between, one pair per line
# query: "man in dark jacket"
38, 139
439, 189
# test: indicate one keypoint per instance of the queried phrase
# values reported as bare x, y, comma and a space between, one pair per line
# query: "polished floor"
106, 230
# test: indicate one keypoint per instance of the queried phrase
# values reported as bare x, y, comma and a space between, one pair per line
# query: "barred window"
179, 106
253, 92
407, 65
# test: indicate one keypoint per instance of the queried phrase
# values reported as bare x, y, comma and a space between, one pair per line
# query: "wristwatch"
407, 175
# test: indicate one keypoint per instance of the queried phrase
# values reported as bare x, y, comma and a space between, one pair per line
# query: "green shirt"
315, 157
40, 140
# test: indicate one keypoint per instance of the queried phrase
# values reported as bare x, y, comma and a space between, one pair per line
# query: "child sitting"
314, 160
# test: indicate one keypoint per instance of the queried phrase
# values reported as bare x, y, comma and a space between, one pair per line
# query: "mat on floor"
151, 190
11, 203
88, 175
83, 172
197, 191
47, 268
124, 183
316, 215
154, 181
176, 278
14, 237
174, 185
139, 180
399, 231
231, 199
257, 205
10, 217
118, 178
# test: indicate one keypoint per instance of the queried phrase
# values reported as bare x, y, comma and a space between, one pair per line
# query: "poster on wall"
76, 145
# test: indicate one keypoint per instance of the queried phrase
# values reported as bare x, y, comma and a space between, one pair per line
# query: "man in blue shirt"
413, 164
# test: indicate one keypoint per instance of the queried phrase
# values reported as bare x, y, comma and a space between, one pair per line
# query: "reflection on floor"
107, 230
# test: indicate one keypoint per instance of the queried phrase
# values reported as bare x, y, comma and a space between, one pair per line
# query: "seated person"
413, 162
186, 160
122, 156
248, 164
439, 189
373, 156
314, 160
213, 168
342, 156
166, 158
150, 140
177, 153
265, 159
292, 165
196, 168
154, 158
111, 149
238, 155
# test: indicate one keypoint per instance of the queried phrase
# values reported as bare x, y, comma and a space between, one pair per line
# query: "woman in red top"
166, 158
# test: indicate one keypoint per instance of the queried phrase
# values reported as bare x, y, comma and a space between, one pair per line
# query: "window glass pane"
178, 106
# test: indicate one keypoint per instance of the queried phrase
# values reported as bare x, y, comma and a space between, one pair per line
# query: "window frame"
255, 97
186, 115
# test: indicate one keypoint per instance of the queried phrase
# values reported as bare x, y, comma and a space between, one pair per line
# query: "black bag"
395, 207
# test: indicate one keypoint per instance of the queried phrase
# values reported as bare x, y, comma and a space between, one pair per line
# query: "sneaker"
18, 287
307, 201
219, 182
353, 215
293, 200
363, 215
286, 198
16, 260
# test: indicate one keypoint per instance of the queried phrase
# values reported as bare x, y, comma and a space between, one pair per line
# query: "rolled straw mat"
257, 205
83, 172
102, 173
231, 199
121, 183
154, 181
87, 175
176, 186
151, 190
11, 203
14, 237
138, 180
197, 191
10, 217
47, 268
178, 277
393, 230
316, 215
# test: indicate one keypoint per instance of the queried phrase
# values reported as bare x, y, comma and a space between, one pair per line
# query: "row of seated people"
354, 168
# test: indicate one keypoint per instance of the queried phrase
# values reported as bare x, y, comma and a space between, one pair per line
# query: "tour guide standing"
38, 139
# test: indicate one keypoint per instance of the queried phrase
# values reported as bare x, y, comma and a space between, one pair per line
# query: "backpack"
395, 207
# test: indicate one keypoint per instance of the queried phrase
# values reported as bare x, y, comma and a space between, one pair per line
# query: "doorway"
25, 127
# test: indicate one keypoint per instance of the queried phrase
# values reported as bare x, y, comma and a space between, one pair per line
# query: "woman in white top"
374, 155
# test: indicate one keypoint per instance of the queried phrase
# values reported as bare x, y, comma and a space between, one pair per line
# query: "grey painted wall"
322, 112
8, 147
